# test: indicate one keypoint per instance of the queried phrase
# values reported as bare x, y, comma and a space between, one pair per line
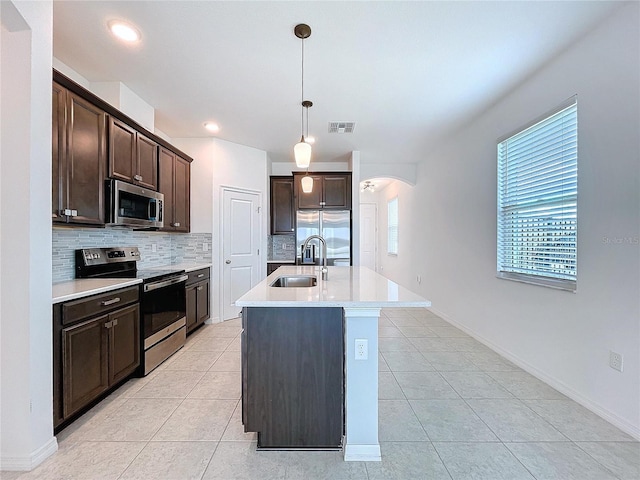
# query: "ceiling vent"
341, 127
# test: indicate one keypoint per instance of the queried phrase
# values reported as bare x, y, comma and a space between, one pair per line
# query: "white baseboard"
362, 453
599, 410
28, 463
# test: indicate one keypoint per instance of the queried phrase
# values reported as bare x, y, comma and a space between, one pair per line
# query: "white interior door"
240, 247
368, 235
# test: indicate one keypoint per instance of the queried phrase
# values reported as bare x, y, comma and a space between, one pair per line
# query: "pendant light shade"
302, 152
307, 184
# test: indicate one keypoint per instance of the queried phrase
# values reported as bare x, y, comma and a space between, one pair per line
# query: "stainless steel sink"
296, 281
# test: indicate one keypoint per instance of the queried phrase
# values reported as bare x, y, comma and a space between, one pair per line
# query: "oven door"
163, 305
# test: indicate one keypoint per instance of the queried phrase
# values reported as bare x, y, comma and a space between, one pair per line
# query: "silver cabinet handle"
110, 302
108, 324
228, 262
114, 322
138, 177
177, 224
200, 288
201, 275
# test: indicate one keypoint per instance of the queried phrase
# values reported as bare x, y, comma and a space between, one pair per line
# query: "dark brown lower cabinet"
198, 295
84, 363
292, 376
96, 345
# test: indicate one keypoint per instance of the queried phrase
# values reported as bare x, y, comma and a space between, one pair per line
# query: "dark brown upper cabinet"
174, 179
282, 207
330, 191
79, 159
132, 156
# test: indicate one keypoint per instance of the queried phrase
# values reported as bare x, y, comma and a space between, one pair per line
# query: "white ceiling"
405, 72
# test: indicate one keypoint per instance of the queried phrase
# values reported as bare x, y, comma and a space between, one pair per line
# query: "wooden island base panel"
302, 386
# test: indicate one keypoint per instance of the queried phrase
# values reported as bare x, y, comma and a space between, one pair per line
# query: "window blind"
392, 227
537, 201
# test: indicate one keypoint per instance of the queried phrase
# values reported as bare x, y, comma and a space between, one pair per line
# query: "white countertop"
282, 261
345, 287
83, 287
186, 266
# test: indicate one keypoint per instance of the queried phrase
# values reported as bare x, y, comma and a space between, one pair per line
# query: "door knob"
228, 262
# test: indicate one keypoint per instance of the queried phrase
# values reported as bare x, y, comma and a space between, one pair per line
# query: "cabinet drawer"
96, 304
198, 275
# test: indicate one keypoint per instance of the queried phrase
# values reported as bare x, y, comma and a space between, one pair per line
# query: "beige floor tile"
135, 419
475, 385
416, 332
218, 386
171, 461
240, 460
192, 360
323, 466
235, 429
558, 461
197, 420
398, 423
481, 461
621, 458
210, 344
87, 460
234, 345
222, 330
170, 384
407, 461
229, 361
407, 362
388, 388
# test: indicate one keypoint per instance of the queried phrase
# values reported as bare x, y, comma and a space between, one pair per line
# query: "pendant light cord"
302, 94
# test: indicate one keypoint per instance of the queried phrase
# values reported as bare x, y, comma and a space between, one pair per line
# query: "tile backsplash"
169, 247
282, 247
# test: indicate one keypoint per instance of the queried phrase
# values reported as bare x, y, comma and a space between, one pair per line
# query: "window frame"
395, 226
569, 200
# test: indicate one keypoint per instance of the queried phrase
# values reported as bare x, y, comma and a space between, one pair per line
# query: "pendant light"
307, 183
302, 150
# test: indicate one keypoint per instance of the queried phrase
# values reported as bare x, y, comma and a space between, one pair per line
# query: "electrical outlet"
615, 360
205, 247
362, 349
285, 246
419, 279
154, 247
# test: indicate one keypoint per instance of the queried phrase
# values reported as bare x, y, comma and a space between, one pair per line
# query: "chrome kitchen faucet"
324, 270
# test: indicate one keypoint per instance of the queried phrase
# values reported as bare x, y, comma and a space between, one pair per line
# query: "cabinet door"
166, 162
294, 355
84, 363
147, 164
337, 192
202, 290
124, 343
192, 307
181, 215
282, 205
122, 150
312, 200
86, 160
58, 154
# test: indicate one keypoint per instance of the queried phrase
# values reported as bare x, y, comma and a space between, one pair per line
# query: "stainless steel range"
162, 293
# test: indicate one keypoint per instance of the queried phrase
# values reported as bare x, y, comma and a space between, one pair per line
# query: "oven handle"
165, 283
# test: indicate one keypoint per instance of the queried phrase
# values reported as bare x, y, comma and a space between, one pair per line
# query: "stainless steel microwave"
130, 205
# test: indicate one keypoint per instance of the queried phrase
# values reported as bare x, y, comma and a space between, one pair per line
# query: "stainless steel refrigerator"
334, 226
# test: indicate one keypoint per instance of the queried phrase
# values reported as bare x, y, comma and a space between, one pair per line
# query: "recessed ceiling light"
212, 127
124, 31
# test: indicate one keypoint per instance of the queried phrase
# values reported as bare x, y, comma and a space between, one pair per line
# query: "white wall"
26, 422
217, 164
448, 229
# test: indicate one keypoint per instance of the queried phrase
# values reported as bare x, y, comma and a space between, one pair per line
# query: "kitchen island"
298, 325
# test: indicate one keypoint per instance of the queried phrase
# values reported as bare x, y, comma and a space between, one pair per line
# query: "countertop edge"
76, 289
